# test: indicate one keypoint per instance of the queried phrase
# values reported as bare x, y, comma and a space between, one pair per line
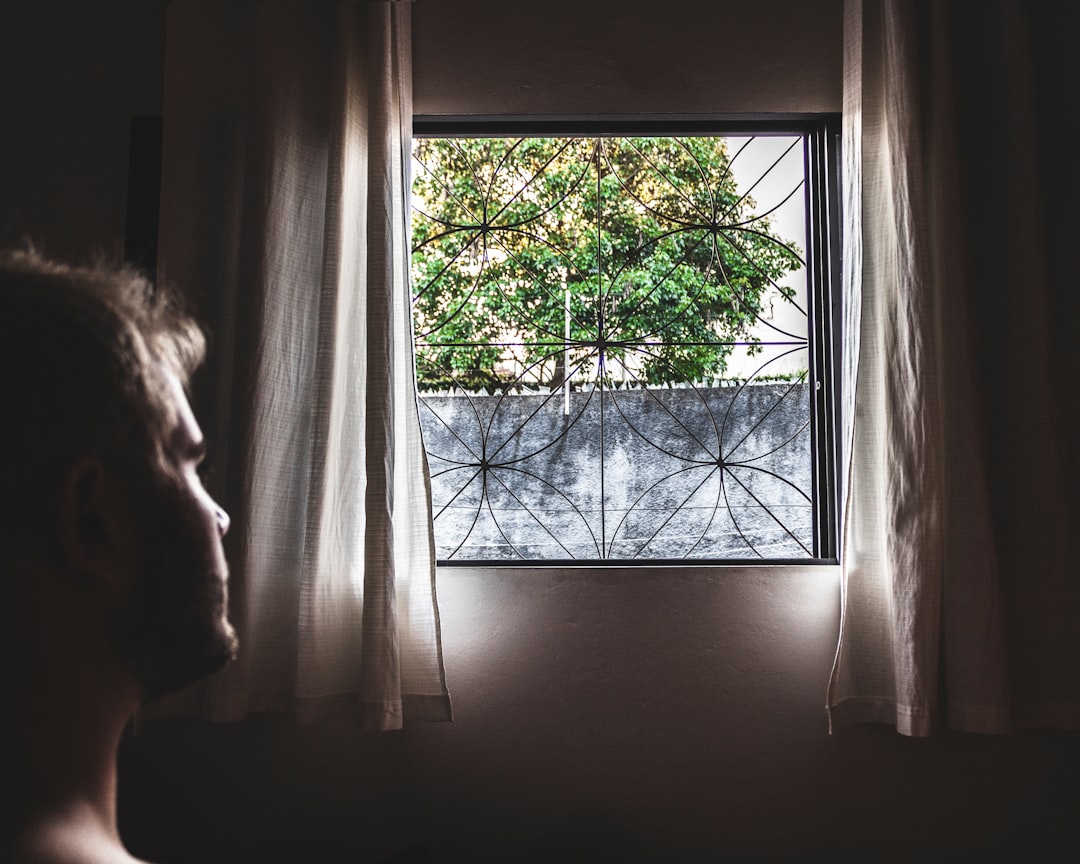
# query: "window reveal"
623, 345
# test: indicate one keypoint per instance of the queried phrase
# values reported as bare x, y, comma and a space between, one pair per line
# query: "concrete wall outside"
650, 491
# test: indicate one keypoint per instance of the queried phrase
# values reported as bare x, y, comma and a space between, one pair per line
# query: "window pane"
611, 338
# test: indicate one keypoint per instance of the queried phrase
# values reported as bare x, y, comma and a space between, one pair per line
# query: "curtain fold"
285, 216
960, 567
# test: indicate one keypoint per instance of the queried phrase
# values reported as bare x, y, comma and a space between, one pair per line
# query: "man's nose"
222, 519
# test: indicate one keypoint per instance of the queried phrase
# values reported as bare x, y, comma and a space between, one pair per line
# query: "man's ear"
95, 530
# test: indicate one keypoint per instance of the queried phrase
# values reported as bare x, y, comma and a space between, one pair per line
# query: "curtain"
960, 555
285, 218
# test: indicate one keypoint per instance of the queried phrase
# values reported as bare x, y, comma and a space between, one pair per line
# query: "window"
624, 339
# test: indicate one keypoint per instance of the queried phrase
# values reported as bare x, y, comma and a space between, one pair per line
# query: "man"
112, 575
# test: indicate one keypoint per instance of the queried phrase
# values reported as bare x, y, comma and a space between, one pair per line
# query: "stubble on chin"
177, 629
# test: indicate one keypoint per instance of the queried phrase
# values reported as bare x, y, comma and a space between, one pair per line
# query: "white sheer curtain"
285, 215
961, 560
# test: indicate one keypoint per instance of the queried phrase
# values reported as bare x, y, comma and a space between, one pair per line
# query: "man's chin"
158, 679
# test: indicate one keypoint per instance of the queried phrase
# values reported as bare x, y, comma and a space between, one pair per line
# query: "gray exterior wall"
657, 473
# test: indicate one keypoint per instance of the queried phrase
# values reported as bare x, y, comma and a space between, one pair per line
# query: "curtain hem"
908, 721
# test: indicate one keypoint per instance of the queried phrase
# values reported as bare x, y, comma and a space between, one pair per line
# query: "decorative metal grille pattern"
612, 347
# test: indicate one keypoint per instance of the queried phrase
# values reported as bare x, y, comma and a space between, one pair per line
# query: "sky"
752, 165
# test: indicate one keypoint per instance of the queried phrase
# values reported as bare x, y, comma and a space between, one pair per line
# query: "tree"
633, 257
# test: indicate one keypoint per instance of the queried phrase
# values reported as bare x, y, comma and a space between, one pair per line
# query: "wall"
74, 74
605, 716
600, 714
608, 57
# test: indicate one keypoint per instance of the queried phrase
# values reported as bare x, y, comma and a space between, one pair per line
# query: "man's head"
99, 454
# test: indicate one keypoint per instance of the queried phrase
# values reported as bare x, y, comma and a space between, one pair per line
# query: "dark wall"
608, 57
73, 76
606, 717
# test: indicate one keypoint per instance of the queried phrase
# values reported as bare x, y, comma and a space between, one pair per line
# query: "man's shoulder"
58, 843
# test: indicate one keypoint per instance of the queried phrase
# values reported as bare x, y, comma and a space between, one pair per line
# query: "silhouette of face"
178, 619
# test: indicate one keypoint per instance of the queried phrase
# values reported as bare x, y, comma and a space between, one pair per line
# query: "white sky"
788, 222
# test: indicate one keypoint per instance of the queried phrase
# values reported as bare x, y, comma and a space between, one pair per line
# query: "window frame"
821, 133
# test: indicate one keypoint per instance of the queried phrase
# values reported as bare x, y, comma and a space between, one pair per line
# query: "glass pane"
611, 340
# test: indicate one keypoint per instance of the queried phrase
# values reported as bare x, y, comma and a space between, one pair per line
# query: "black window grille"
624, 339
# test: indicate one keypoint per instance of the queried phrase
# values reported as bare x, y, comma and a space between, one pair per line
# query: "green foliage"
663, 262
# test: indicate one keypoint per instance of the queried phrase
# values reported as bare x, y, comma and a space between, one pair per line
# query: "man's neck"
62, 727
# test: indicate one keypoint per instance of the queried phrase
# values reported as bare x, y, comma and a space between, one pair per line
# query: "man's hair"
81, 356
